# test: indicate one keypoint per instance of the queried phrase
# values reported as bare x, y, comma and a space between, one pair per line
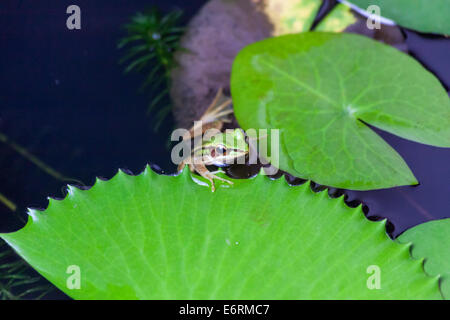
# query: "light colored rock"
213, 39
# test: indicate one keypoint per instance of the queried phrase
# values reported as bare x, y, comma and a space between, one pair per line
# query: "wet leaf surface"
164, 237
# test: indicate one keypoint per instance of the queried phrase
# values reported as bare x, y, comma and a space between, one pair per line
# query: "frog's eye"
221, 150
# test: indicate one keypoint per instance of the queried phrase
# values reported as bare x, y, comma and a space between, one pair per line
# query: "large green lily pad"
320, 89
164, 237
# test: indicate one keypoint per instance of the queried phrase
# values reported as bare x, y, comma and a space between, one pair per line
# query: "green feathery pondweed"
17, 279
152, 40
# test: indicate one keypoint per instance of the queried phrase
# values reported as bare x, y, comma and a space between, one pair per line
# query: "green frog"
221, 149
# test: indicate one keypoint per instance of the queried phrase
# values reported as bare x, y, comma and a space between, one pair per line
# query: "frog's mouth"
218, 161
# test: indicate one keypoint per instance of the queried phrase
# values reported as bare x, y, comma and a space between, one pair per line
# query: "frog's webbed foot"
221, 113
205, 173
219, 109
211, 176
214, 117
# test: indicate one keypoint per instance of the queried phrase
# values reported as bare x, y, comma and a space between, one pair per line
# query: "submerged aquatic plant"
17, 279
153, 39
37, 162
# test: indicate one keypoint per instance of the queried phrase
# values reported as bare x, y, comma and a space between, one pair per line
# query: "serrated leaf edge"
74, 191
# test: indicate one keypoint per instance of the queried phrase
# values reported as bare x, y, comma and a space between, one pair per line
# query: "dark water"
64, 97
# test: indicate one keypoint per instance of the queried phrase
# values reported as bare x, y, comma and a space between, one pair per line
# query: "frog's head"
224, 148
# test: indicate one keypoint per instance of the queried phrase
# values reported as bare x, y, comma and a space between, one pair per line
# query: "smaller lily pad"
320, 89
431, 241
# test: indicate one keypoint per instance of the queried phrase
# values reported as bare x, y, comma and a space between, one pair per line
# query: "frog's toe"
224, 180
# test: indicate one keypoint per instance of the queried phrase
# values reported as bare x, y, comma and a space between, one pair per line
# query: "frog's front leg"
184, 163
205, 173
201, 169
